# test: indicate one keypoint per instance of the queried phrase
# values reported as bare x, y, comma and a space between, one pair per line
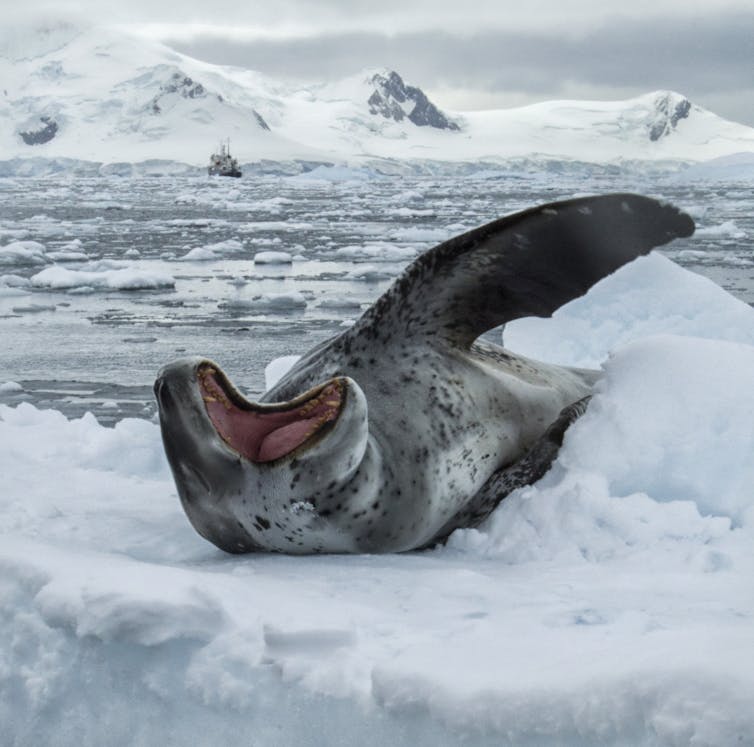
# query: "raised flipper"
531, 467
526, 264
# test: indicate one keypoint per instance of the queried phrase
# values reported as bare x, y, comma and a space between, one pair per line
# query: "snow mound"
652, 295
636, 472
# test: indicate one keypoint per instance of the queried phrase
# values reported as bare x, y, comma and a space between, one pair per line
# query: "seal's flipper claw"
533, 466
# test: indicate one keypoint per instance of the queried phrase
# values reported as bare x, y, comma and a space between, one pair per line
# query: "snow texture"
609, 604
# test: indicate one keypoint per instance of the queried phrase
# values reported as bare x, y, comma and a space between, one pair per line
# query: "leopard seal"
406, 426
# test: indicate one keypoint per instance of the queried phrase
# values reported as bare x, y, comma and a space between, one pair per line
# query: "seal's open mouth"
264, 433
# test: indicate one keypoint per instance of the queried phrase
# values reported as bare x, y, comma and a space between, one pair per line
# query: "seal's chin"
266, 433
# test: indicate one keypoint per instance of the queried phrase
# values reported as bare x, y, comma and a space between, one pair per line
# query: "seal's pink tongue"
284, 440
263, 436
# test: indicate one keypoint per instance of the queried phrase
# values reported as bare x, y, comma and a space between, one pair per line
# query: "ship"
222, 163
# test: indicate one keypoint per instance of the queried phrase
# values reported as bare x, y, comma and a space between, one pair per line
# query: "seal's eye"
264, 433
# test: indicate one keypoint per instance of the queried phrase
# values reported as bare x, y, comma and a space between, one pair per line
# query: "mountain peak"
669, 109
393, 99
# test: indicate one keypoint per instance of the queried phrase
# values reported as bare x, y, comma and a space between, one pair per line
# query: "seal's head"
249, 475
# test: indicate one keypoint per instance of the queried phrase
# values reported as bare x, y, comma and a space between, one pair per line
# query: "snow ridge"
99, 95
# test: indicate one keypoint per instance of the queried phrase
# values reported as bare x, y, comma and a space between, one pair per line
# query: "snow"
650, 296
277, 368
609, 604
112, 95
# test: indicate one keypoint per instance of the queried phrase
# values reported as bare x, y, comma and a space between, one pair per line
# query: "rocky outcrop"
41, 135
393, 99
670, 109
260, 120
179, 84
187, 88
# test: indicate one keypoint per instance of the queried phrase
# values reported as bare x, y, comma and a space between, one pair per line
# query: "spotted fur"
437, 426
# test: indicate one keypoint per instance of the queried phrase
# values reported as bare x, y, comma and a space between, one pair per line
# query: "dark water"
93, 347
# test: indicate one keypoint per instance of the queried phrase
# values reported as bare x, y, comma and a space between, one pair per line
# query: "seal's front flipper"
526, 264
531, 467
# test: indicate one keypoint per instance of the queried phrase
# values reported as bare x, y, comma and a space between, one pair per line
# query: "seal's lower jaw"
267, 433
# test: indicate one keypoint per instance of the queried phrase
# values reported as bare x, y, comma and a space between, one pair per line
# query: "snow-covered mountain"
99, 95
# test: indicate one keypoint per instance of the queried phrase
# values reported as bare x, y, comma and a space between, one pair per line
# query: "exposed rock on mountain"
100, 95
393, 99
670, 109
43, 134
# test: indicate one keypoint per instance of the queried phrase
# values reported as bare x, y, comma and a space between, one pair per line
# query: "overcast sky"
469, 54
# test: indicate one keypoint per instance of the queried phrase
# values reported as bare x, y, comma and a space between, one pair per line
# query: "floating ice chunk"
187, 199
275, 225
267, 302
340, 304
10, 387
14, 281
277, 368
198, 254
378, 251
728, 229
373, 273
71, 251
66, 256
407, 212
419, 234
6, 292
99, 276
331, 174
214, 251
272, 258
273, 204
23, 253
33, 308
82, 290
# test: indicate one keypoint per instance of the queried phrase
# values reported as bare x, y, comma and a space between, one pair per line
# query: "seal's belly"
461, 430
